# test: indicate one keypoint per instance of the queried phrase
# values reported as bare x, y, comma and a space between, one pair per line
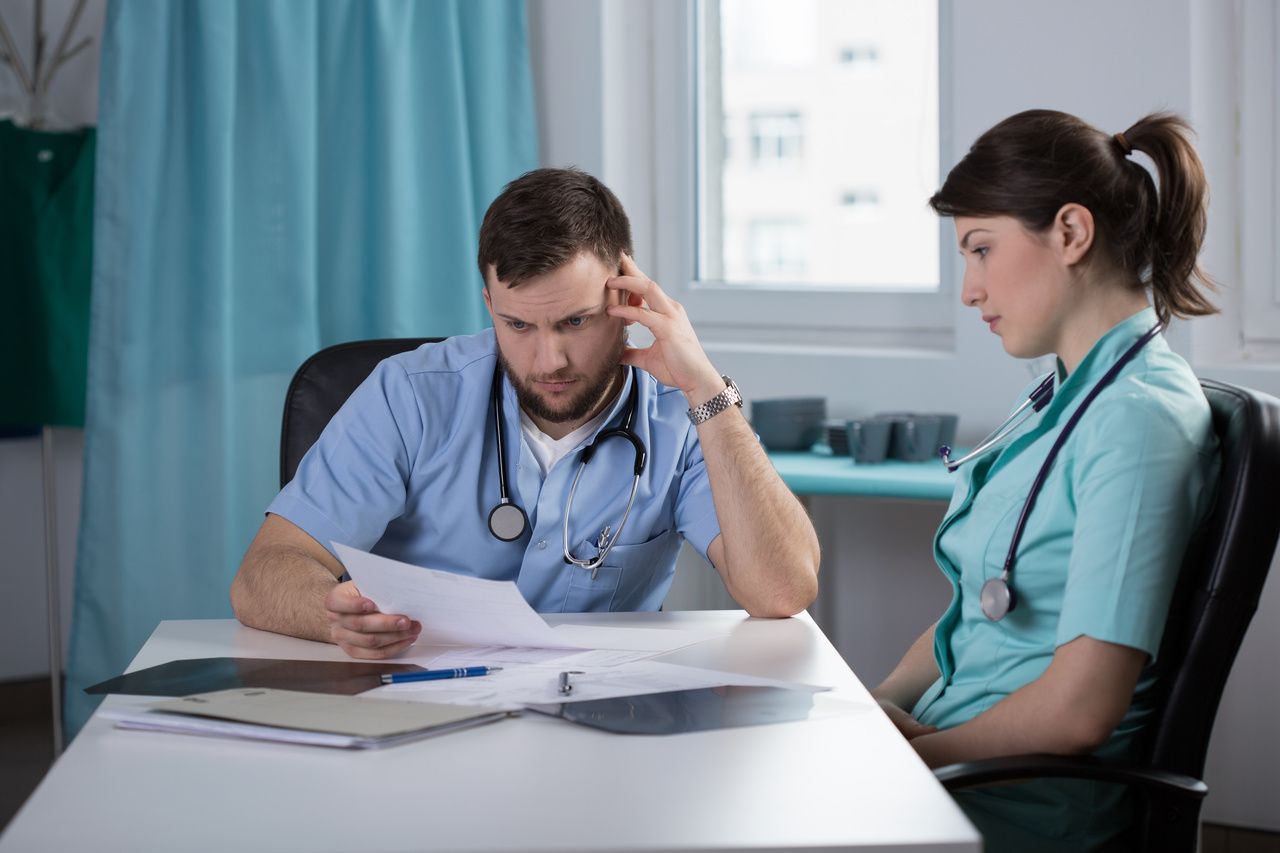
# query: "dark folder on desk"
680, 711
206, 675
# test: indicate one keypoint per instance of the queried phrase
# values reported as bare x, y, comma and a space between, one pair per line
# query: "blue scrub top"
407, 469
1099, 556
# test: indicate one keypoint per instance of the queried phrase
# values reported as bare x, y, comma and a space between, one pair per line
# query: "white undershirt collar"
547, 450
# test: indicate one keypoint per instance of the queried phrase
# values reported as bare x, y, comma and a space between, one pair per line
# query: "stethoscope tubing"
1043, 473
1038, 399
998, 598
625, 431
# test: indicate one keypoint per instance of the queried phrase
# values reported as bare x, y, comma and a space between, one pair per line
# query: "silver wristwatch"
730, 396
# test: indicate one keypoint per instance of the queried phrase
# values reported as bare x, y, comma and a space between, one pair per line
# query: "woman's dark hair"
543, 218
1031, 164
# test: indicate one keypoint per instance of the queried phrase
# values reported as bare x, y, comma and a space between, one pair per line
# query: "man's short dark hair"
546, 217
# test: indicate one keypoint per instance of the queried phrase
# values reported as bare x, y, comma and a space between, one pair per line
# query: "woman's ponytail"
1175, 228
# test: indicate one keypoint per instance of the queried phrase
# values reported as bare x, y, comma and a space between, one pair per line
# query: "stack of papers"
521, 687
315, 719
470, 621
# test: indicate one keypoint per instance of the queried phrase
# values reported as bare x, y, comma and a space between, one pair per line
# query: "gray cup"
869, 439
915, 437
947, 424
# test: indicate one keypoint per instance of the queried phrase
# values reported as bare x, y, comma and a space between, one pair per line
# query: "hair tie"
1124, 144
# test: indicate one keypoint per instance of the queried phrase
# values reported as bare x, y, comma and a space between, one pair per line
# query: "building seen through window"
776, 137
830, 110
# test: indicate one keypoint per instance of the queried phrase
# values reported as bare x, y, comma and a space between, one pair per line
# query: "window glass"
818, 143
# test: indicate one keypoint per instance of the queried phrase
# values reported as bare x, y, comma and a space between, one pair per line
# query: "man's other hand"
357, 627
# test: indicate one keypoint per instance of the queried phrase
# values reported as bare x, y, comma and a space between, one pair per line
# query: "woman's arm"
1072, 708
909, 680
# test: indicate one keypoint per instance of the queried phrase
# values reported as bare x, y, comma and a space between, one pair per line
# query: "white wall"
24, 625
1108, 62
73, 96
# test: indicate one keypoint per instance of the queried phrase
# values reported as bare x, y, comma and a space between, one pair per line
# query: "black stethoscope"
997, 597
508, 522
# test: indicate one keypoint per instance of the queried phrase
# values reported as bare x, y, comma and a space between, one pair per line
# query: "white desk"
531, 784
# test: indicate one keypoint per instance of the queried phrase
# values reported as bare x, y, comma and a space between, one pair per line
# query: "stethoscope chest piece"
507, 521
997, 599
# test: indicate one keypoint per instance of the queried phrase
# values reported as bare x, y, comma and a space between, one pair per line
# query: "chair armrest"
1016, 768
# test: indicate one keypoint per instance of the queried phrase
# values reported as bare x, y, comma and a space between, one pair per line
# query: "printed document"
464, 611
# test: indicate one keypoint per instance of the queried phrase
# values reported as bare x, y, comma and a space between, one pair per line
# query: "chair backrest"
320, 387
1221, 578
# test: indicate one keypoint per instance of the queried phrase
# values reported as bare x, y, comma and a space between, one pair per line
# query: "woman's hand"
907, 724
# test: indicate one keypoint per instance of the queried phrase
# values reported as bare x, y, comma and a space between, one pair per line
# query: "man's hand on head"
357, 627
675, 357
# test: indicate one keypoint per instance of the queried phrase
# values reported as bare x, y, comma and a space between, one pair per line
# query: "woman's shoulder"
1156, 397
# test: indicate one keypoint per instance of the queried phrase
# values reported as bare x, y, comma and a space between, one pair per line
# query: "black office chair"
1218, 589
320, 387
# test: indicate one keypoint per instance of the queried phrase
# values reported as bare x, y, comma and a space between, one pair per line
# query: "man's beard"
578, 407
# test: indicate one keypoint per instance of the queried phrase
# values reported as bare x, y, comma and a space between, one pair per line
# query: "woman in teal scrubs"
1069, 249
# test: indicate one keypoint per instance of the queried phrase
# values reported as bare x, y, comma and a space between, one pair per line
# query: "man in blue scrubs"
409, 467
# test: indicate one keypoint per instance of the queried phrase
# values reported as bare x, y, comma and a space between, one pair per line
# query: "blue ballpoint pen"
436, 674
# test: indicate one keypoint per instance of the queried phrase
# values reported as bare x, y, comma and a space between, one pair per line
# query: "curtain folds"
273, 176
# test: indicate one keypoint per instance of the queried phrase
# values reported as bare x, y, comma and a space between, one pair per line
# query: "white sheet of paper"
528, 685
464, 611
462, 656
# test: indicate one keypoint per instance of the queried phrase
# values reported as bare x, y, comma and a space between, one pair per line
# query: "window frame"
1258, 32
774, 313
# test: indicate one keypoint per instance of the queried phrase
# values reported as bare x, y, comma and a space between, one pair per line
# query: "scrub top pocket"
626, 577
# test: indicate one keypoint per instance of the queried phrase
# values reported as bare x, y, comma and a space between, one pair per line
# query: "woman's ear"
1073, 232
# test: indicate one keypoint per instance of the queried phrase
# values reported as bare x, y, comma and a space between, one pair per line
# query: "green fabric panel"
46, 254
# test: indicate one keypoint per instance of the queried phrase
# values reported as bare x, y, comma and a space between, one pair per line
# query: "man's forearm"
282, 590
770, 548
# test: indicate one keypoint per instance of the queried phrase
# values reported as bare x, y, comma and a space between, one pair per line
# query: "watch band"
730, 396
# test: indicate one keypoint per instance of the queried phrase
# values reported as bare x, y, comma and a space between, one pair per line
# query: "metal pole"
53, 588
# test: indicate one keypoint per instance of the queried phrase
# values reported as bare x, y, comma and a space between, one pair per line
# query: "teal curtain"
273, 176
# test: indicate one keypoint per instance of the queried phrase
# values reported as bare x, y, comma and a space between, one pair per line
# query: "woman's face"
1016, 279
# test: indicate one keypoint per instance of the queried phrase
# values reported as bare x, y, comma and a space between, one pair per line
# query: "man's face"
557, 345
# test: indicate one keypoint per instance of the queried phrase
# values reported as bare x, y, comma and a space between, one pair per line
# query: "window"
862, 203
863, 56
776, 137
839, 130
789, 188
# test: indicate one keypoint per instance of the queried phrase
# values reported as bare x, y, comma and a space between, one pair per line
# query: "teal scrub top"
1099, 556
